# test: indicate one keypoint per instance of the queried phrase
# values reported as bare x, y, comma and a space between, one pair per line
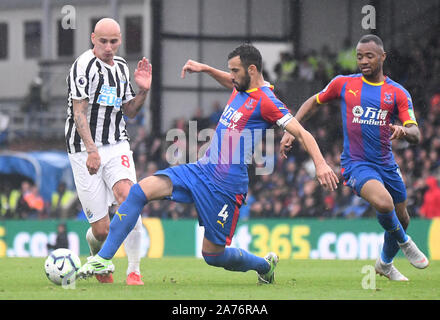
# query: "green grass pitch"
192, 279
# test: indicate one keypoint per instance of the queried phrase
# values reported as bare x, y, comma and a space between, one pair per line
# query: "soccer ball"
61, 266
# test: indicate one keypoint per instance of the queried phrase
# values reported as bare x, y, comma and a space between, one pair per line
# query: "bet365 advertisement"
289, 238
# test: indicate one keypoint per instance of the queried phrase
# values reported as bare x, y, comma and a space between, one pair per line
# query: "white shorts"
95, 191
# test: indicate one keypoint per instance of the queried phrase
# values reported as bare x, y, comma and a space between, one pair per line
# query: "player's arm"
142, 77
80, 108
409, 130
307, 109
325, 175
222, 77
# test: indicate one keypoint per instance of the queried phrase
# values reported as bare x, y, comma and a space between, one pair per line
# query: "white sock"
94, 244
132, 245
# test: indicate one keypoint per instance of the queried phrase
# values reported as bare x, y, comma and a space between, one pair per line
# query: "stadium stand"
291, 191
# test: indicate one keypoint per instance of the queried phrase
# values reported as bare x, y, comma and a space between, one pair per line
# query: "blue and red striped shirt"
241, 128
367, 109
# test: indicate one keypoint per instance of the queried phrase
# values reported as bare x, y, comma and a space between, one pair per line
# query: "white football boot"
413, 254
388, 270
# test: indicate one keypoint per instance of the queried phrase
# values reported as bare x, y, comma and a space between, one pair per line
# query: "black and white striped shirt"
107, 88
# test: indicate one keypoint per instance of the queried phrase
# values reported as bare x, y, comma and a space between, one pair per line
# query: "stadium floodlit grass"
191, 278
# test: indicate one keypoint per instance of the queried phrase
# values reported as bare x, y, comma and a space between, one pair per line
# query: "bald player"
99, 96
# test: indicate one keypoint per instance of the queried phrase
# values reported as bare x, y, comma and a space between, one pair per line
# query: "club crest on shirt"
388, 98
89, 213
250, 104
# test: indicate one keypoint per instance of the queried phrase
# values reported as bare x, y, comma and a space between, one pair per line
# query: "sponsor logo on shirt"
108, 96
369, 116
230, 117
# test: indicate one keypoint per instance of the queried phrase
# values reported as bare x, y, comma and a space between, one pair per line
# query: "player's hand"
326, 177
191, 66
397, 132
286, 144
143, 74
93, 162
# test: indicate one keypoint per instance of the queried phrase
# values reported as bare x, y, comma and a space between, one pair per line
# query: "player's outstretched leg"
235, 259
388, 270
123, 221
269, 276
95, 265
413, 254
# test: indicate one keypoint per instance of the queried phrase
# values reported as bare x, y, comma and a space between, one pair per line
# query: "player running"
370, 105
100, 94
217, 183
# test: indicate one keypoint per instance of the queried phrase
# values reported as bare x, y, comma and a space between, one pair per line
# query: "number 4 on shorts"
223, 213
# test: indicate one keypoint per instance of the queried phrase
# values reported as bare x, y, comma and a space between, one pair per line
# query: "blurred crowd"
418, 70
20, 198
291, 190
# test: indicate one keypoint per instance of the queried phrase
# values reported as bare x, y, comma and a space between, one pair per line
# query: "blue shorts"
358, 173
218, 210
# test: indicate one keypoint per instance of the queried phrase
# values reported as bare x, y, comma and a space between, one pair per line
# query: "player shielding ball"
100, 94
217, 183
370, 104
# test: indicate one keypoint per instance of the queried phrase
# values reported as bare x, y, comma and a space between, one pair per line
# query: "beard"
244, 84
372, 73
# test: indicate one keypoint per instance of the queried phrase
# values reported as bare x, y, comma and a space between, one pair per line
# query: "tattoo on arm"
132, 107
82, 126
